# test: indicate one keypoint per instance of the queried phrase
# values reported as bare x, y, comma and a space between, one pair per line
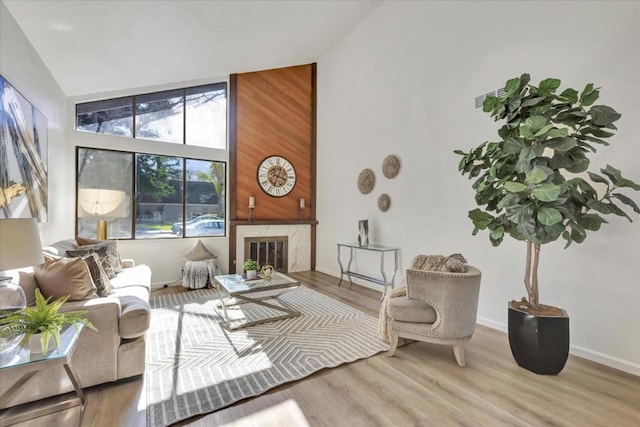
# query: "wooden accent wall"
274, 115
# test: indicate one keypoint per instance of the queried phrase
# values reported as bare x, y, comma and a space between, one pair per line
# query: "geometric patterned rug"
195, 366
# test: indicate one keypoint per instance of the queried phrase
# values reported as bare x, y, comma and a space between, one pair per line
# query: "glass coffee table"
235, 287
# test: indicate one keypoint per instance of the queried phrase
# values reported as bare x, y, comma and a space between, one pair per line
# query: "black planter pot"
539, 344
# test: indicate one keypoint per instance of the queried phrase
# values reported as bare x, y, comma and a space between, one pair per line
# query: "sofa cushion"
65, 276
140, 275
410, 310
59, 249
135, 312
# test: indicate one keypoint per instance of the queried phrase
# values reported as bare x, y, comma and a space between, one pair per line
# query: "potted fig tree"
533, 183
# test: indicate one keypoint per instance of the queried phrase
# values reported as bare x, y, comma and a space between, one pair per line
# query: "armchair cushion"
409, 310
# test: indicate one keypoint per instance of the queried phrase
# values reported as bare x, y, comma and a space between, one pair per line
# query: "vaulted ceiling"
100, 46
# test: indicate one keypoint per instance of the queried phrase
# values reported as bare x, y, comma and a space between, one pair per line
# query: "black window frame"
131, 100
133, 155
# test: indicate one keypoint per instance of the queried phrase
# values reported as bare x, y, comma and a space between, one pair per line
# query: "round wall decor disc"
391, 166
366, 181
384, 202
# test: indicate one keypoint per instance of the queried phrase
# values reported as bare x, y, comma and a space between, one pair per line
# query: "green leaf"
536, 176
603, 115
497, 234
514, 187
597, 178
627, 201
591, 221
535, 123
526, 132
520, 214
526, 156
544, 130
600, 133
589, 95
558, 132
513, 146
546, 192
508, 201
616, 177
567, 236
578, 234
549, 216
480, 219
530, 102
490, 103
613, 173
548, 86
562, 144
570, 95
512, 85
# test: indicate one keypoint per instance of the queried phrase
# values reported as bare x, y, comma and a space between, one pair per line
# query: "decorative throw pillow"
199, 252
110, 245
99, 276
65, 276
105, 259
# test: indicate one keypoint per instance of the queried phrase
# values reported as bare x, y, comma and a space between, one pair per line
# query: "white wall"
404, 82
23, 68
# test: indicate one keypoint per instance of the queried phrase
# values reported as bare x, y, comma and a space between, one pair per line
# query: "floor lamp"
101, 204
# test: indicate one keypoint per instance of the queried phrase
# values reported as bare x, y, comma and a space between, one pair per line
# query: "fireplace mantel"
235, 223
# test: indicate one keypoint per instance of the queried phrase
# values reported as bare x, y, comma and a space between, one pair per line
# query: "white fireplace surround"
299, 250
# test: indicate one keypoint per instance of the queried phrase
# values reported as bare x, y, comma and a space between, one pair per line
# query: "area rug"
195, 366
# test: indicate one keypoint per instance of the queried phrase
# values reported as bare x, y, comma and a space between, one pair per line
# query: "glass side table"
22, 362
381, 250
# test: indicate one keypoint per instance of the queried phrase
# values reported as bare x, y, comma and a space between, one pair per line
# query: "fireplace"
268, 250
294, 252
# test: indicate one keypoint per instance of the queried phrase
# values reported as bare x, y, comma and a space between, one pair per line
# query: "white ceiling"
100, 46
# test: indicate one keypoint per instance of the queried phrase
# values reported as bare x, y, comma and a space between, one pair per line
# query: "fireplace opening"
268, 250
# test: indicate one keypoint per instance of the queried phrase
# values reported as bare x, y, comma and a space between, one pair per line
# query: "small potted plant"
40, 323
251, 268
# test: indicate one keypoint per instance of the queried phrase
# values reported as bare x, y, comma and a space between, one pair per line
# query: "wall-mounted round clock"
276, 176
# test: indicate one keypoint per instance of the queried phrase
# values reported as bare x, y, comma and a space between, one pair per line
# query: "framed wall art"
23, 157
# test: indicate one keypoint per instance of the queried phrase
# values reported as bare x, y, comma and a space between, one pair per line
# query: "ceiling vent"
497, 93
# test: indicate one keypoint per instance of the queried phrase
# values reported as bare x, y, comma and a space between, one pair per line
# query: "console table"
28, 365
381, 250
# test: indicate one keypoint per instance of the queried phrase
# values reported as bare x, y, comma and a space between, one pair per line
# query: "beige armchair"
440, 307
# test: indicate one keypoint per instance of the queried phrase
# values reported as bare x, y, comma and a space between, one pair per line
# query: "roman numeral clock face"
276, 176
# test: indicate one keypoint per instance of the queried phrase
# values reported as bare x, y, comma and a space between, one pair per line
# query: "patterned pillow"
105, 259
99, 276
110, 245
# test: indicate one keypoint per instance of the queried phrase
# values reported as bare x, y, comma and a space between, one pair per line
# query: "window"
161, 197
193, 116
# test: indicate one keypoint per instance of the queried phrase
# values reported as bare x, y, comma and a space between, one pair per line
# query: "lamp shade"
96, 202
20, 244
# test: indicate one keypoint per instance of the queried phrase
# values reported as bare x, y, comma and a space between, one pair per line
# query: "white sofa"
114, 352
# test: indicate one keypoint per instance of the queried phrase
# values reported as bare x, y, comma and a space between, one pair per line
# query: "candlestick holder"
301, 214
251, 216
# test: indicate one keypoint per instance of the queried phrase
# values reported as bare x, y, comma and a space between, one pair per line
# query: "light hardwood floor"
420, 386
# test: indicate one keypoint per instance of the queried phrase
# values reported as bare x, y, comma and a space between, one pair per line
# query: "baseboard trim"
594, 356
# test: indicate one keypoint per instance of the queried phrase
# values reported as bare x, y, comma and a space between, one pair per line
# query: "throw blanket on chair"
452, 263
